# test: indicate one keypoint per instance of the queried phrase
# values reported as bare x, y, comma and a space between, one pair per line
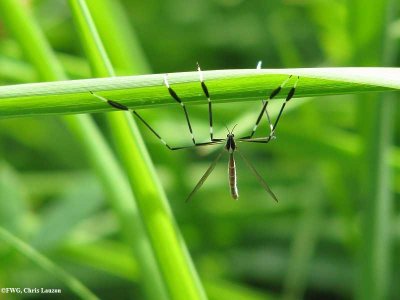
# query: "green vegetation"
89, 206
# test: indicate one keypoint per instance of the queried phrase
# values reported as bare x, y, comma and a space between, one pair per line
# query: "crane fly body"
230, 146
230, 140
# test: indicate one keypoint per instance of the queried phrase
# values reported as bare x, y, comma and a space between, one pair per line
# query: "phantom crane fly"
230, 140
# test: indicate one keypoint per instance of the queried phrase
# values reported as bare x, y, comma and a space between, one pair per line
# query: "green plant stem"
73, 96
175, 264
303, 246
118, 36
376, 122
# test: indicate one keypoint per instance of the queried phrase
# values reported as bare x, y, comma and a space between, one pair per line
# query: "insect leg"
177, 99
207, 94
258, 176
120, 106
205, 176
264, 110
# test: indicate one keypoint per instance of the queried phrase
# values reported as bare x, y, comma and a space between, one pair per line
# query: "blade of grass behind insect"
304, 244
74, 284
286, 48
15, 17
119, 38
117, 187
178, 272
376, 123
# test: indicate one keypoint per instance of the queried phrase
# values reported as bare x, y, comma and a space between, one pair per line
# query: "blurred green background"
338, 197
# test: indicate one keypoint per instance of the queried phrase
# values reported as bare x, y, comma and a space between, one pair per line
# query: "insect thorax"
230, 143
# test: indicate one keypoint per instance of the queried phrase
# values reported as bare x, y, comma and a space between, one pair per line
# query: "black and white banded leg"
173, 94
275, 92
120, 106
207, 94
177, 99
259, 64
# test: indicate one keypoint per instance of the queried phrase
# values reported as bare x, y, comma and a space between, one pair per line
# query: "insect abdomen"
232, 177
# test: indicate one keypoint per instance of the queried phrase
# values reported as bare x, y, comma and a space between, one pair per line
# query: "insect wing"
258, 176
205, 176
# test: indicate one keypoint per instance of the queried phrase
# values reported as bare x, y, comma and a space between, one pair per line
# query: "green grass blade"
175, 265
85, 30
377, 197
18, 22
376, 122
74, 284
101, 66
303, 247
118, 37
134, 61
67, 97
